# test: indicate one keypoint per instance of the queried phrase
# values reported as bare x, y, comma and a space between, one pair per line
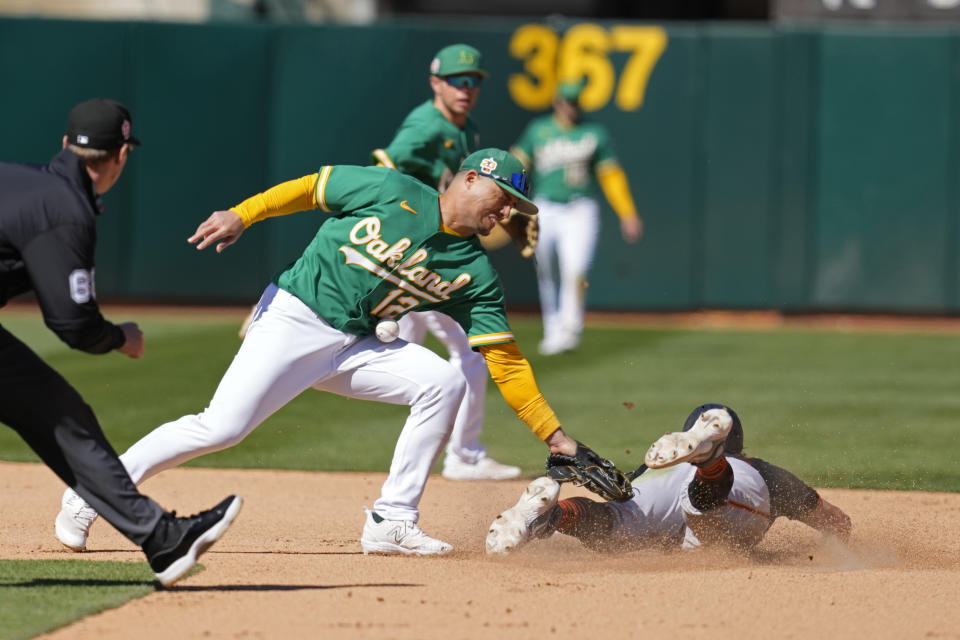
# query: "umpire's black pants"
58, 425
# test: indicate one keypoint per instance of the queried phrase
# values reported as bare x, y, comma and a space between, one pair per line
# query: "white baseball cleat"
74, 521
558, 344
701, 444
483, 469
523, 522
398, 536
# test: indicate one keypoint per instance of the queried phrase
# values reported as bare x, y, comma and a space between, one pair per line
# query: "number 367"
582, 52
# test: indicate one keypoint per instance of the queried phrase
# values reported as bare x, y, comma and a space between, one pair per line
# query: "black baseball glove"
587, 469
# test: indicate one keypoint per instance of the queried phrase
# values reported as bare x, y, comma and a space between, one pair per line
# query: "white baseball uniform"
288, 349
660, 511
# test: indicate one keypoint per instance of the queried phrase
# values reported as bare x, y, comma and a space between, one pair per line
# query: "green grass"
37, 596
839, 409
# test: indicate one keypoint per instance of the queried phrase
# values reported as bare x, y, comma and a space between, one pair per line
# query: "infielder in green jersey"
430, 145
567, 157
393, 245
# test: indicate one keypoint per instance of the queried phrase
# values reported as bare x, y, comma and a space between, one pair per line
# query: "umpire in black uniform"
47, 242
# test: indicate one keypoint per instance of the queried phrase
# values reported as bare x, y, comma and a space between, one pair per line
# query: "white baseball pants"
288, 349
564, 253
464, 444
660, 511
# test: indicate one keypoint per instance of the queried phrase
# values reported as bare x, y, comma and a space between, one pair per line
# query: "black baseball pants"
49, 414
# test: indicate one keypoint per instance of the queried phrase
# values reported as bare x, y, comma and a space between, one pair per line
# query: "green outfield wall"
788, 167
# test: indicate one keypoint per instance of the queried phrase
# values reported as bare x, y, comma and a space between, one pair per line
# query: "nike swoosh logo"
408, 207
448, 143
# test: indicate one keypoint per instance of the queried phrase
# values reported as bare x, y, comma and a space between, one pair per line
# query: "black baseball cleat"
176, 543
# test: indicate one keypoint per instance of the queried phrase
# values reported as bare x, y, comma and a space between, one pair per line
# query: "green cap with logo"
507, 171
571, 90
457, 58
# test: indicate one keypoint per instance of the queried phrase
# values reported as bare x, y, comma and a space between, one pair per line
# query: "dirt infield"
291, 567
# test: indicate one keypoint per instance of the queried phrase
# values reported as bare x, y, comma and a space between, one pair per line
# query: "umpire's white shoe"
398, 536
74, 521
702, 444
525, 520
483, 469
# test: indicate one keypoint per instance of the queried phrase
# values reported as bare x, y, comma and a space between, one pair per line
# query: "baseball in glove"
586, 469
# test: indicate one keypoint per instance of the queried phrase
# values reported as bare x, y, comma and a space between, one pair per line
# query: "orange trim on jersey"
322, 186
384, 159
490, 338
748, 509
715, 470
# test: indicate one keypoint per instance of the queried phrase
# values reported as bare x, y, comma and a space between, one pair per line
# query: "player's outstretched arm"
560, 442
222, 227
512, 374
828, 518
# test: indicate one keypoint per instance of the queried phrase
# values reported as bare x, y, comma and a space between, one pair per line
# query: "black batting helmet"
734, 442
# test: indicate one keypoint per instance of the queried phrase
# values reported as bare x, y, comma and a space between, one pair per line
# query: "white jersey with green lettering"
385, 253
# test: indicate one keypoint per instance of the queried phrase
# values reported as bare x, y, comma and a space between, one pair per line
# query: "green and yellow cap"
571, 90
507, 171
457, 58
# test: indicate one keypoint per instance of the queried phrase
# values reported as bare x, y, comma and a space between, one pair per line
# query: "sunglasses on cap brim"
518, 181
463, 80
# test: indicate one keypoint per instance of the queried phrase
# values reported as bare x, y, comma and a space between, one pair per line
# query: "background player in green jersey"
567, 157
393, 245
429, 145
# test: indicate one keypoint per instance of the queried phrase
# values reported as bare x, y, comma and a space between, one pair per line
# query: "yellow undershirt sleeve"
521, 156
615, 187
286, 197
513, 376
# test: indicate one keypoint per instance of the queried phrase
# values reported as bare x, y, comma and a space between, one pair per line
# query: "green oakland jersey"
564, 160
384, 253
429, 147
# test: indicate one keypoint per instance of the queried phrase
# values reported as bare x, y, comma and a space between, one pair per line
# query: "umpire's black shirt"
47, 242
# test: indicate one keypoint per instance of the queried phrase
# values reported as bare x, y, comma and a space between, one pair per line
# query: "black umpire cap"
734, 442
100, 123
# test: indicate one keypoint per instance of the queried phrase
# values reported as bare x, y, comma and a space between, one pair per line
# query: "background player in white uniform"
429, 145
702, 491
392, 245
567, 157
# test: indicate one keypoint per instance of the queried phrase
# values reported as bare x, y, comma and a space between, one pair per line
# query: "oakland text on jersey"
419, 280
560, 151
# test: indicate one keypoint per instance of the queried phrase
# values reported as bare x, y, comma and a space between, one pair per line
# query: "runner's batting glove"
586, 469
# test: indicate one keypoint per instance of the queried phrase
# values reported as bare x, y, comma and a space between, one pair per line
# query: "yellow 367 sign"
583, 53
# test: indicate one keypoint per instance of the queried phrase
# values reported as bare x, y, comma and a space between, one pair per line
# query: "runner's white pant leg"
403, 373
464, 443
287, 348
545, 254
741, 522
575, 251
